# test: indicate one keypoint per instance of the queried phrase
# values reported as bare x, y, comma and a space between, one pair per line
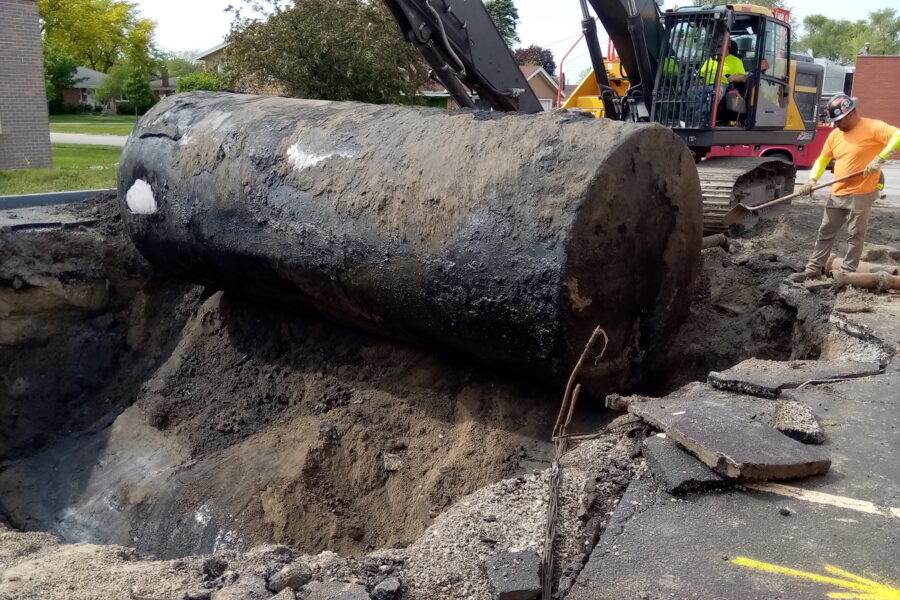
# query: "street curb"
47, 199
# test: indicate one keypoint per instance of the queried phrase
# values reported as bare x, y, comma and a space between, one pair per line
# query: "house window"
547, 103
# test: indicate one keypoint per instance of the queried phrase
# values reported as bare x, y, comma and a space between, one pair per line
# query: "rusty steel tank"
505, 237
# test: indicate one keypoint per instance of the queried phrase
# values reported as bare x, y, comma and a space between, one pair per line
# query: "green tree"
842, 40
113, 85
59, 74
99, 33
137, 90
326, 49
535, 55
506, 17
200, 81
179, 67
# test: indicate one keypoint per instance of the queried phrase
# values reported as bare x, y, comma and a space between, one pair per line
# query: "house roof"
434, 88
532, 71
87, 78
212, 50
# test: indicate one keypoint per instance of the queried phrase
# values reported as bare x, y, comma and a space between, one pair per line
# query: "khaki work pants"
855, 211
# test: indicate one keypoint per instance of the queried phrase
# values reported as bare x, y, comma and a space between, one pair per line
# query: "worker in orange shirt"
856, 144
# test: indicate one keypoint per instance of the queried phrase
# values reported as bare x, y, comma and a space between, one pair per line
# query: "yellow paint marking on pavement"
862, 588
823, 498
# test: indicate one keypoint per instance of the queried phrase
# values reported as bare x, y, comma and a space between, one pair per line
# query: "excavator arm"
461, 44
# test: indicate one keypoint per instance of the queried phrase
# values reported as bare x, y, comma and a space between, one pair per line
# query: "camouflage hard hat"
839, 107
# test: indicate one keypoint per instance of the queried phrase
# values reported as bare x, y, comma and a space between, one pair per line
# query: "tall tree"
59, 74
842, 40
113, 85
179, 67
506, 17
99, 33
535, 55
137, 90
326, 49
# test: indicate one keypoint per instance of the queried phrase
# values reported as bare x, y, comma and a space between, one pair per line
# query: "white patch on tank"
201, 515
140, 198
301, 159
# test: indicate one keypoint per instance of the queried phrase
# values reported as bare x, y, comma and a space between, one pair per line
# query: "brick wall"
877, 84
24, 128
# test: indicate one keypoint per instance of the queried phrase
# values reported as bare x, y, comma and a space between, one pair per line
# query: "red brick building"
877, 84
24, 124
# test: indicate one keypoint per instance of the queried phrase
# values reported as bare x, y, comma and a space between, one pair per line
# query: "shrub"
200, 81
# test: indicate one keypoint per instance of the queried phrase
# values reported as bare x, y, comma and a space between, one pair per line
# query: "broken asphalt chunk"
514, 575
767, 378
729, 437
678, 471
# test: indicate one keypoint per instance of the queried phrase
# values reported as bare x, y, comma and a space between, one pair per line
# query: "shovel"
742, 211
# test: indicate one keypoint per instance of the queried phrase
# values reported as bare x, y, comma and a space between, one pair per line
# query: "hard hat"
839, 107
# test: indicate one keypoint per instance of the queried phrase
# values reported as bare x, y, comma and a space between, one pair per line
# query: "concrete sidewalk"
89, 139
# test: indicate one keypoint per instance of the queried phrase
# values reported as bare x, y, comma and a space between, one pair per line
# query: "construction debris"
797, 420
514, 575
767, 378
878, 282
730, 438
678, 471
835, 263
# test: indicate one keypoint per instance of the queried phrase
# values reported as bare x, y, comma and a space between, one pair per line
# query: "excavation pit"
180, 421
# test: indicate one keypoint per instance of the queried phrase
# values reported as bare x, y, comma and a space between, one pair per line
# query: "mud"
218, 424
508, 239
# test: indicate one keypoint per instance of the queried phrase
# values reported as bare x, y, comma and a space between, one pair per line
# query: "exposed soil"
180, 422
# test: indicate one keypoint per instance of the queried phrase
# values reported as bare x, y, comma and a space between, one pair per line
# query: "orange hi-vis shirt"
853, 151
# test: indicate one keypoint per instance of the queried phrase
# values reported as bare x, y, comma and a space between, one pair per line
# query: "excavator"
658, 76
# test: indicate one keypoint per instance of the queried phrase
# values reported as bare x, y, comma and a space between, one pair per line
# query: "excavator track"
727, 181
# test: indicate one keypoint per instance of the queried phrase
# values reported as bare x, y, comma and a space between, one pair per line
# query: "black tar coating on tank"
508, 239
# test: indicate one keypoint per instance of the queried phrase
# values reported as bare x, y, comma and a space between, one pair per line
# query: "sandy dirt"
214, 425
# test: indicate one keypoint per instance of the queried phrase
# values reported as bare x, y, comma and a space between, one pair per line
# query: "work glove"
807, 189
874, 166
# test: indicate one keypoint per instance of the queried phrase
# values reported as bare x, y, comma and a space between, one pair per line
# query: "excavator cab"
703, 45
776, 99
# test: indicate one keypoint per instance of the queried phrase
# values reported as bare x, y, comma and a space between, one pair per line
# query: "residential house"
214, 58
162, 87
86, 83
543, 86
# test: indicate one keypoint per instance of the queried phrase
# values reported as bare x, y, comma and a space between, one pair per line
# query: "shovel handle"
796, 195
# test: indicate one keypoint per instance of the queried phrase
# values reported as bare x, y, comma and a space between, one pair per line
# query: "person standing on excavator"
856, 144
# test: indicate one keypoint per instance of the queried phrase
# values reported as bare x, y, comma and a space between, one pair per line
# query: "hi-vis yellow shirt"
733, 66
853, 151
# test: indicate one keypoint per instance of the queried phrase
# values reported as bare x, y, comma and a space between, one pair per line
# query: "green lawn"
75, 167
96, 128
96, 119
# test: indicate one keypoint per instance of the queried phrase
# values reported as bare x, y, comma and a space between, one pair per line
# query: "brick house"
24, 124
877, 84
213, 59
86, 83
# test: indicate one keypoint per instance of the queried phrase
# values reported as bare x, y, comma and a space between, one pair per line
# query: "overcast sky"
554, 24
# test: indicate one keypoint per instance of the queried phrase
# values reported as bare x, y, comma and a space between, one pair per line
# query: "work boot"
804, 276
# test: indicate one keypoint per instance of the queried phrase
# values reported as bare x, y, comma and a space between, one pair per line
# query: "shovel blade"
736, 215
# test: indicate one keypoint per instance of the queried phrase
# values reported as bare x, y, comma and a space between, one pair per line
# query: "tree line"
326, 49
